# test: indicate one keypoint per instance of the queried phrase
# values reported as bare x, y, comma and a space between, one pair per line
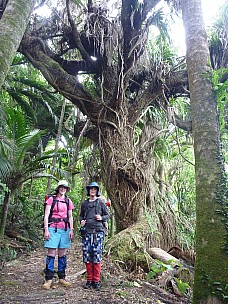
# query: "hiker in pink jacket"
58, 232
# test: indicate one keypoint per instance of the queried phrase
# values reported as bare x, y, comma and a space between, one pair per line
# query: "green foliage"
159, 268
186, 230
122, 293
222, 199
220, 90
160, 49
152, 222
3, 190
7, 253
221, 94
159, 20
182, 286
27, 91
178, 179
29, 102
219, 290
91, 85
18, 154
23, 214
18, 141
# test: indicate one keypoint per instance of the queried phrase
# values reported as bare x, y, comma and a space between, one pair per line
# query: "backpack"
97, 207
97, 211
51, 219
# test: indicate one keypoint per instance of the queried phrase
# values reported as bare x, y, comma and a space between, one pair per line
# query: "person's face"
93, 191
62, 189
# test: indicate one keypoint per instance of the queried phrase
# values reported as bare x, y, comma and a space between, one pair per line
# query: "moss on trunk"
128, 248
12, 27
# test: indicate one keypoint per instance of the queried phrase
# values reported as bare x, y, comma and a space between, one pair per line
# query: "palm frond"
6, 145
5, 169
16, 122
26, 142
158, 19
27, 108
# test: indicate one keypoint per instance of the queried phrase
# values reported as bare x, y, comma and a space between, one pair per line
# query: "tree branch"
185, 125
148, 5
59, 79
76, 35
131, 20
40, 4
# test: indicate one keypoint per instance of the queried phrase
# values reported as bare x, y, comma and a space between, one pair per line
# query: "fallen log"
162, 255
179, 269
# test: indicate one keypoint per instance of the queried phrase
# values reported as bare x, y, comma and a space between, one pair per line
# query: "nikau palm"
17, 163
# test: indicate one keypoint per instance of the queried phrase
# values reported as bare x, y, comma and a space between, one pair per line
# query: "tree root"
127, 248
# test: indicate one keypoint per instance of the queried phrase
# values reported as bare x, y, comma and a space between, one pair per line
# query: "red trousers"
93, 272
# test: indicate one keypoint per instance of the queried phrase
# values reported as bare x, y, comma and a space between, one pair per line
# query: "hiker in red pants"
92, 215
58, 232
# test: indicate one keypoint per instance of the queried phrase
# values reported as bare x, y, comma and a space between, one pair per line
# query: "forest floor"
21, 282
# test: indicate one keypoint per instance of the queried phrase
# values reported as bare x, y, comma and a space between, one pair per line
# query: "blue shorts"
58, 239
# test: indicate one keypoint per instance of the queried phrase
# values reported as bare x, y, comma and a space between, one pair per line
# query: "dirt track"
21, 282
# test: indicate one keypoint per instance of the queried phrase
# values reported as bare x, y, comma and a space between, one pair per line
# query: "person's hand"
98, 217
46, 235
83, 222
71, 234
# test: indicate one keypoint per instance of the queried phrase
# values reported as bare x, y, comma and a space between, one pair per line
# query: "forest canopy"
91, 93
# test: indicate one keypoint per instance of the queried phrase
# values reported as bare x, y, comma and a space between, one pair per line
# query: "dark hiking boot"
97, 285
88, 285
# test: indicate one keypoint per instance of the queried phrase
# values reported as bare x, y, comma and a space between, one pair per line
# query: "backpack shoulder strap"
98, 206
52, 206
67, 203
54, 202
86, 207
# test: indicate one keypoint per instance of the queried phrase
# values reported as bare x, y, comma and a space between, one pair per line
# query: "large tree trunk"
125, 175
127, 172
13, 24
211, 266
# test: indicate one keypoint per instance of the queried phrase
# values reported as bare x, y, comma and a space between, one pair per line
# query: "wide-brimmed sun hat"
93, 184
63, 183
